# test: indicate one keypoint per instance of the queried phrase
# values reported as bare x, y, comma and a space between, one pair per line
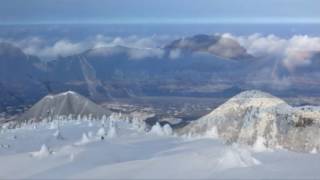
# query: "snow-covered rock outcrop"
255, 115
64, 104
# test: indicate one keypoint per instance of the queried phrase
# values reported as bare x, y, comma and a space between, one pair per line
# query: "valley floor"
133, 154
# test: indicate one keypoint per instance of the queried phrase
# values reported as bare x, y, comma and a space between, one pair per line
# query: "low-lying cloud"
142, 47
293, 52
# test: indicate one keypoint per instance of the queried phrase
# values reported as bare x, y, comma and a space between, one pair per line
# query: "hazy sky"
123, 11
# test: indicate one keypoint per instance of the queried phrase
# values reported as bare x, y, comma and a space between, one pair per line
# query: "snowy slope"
75, 150
63, 104
255, 117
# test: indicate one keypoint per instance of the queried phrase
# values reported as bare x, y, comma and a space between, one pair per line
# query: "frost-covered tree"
101, 132
112, 129
157, 129
58, 135
84, 140
43, 152
103, 120
167, 130
79, 117
90, 124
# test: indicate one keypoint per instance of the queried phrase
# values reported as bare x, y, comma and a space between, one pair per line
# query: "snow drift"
255, 116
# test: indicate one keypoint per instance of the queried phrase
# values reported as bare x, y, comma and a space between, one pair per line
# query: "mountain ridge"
254, 115
63, 104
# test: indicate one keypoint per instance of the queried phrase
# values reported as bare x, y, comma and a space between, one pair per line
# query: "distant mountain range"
215, 45
198, 66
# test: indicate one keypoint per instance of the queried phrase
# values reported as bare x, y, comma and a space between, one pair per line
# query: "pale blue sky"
158, 11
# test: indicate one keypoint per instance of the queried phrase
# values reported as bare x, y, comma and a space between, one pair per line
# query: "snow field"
35, 151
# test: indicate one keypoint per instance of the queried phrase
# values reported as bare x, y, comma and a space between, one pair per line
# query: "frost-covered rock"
252, 116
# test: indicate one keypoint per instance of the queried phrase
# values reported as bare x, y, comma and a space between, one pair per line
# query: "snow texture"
133, 154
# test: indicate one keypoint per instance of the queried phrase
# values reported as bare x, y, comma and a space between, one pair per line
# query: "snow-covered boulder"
253, 115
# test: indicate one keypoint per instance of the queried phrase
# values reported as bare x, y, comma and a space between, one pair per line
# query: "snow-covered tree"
103, 120
112, 129
167, 130
43, 152
90, 124
157, 129
101, 132
58, 135
84, 140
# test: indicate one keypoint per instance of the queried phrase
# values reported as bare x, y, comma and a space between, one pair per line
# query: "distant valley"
201, 66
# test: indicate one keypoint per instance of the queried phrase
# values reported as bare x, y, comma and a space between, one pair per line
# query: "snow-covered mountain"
213, 44
258, 118
64, 104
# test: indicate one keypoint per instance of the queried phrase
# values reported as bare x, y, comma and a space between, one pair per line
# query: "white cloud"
293, 52
141, 46
62, 48
227, 47
174, 54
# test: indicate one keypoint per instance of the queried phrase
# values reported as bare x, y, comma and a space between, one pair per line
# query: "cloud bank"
141, 47
293, 52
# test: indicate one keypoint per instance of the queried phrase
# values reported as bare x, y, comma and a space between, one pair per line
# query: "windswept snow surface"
34, 151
